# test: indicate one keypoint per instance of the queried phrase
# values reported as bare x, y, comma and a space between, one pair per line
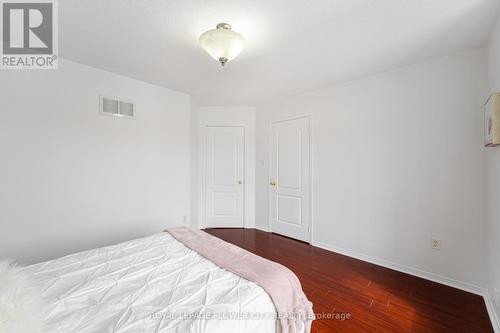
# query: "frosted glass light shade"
223, 44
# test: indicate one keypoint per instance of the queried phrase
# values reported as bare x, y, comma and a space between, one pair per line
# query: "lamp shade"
222, 43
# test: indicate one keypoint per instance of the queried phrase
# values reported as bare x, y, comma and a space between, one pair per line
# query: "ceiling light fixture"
222, 43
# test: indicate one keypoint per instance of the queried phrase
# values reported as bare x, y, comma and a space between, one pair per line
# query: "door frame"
203, 173
311, 171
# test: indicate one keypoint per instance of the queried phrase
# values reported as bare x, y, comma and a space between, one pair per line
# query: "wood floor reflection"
375, 298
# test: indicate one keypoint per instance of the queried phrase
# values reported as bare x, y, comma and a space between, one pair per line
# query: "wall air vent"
115, 106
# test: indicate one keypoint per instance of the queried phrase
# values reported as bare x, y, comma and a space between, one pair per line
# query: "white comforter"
152, 284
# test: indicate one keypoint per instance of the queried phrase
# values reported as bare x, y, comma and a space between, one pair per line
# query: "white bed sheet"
147, 285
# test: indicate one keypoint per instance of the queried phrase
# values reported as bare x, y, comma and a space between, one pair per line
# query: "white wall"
72, 179
398, 158
229, 116
494, 180
194, 164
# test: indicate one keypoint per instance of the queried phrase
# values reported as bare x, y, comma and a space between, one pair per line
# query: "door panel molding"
298, 158
298, 208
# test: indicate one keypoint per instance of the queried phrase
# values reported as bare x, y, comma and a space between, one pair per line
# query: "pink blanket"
294, 310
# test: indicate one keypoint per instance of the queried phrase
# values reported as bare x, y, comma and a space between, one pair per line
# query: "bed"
151, 284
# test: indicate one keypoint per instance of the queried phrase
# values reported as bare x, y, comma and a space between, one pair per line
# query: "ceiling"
292, 46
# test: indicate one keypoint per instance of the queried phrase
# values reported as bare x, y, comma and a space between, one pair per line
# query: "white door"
290, 178
224, 196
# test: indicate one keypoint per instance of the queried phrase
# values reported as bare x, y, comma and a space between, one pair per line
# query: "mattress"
152, 284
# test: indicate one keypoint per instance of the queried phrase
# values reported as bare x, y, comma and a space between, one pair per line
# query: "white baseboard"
491, 312
261, 228
249, 225
406, 269
425, 275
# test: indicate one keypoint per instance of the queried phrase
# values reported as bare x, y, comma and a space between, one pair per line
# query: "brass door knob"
240, 182
272, 183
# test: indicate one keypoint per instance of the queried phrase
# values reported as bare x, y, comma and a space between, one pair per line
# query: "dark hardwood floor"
377, 299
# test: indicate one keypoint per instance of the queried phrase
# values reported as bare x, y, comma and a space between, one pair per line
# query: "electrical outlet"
436, 244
